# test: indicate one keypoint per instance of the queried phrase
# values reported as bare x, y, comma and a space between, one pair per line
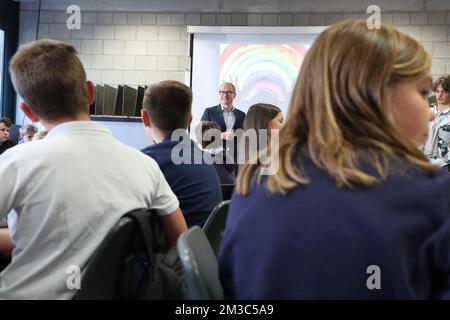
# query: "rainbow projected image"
261, 72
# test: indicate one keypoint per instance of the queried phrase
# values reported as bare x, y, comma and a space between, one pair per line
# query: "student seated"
5, 143
355, 210
166, 114
219, 157
64, 193
264, 119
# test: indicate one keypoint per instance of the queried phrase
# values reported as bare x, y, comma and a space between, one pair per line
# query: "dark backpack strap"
144, 222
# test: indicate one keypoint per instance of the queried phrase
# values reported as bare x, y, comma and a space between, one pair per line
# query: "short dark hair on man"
6, 121
169, 105
444, 82
50, 78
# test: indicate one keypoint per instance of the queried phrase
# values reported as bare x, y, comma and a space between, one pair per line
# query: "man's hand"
227, 135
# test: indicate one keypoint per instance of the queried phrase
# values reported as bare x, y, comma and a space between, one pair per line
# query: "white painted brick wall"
441, 50
163, 19
112, 77
270, 20
413, 32
185, 63
428, 46
59, 31
317, 19
146, 63
436, 18
438, 33
46, 17
418, 18
125, 63
238, 19
168, 63
91, 46
113, 46
105, 18
94, 75
400, 18
301, 19
176, 75
75, 43
148, 18
60, 17
178, 19
147, 33
170, 33
254, 19
44, 31
193, 19
125, 32
104, 32
331, 18
439, 65
134, 77
119, 18
127, 47
286, 19
85, 32
178, 48
155, 76
89, 17
135, 48
158, 48
134, 18
85, 60
101, 61
223, 19
208, 19
386, 18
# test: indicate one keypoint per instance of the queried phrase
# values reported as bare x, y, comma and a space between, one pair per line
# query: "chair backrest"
111, 270
200, 267
227, 191
215, 225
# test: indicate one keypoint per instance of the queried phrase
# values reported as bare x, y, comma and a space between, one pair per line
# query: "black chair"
200, 267
110, 273
215, 225
227, 191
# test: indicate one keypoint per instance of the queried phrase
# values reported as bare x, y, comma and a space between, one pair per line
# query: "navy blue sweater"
196, 186
317, 242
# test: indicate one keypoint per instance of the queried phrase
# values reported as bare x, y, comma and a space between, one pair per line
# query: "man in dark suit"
225, 114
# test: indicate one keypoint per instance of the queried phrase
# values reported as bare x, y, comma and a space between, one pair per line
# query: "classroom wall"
141, 42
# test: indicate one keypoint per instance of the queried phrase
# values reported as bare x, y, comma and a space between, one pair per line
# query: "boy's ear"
28, 112
146, 118
190, 119
90, 92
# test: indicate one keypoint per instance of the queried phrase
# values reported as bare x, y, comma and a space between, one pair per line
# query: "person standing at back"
437, 147
64, 193
227, 116
355, 210
166, 114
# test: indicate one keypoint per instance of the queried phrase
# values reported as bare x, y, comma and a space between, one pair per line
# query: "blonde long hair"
341, 108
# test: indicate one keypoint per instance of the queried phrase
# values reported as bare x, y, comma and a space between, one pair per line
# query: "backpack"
161, 276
